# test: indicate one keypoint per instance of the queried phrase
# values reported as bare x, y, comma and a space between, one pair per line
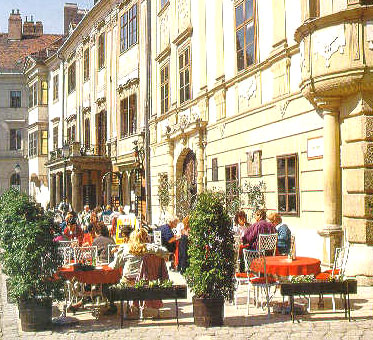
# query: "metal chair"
240, 278
267, 243
255, 266
66, 253
85, 254
158, 237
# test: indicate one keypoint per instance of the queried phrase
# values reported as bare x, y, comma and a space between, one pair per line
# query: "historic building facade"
249, 91
99, 109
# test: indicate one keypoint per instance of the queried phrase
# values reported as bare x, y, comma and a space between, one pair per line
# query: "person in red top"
73, 231
261, 226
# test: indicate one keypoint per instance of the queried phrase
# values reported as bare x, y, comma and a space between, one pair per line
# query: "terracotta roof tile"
13, 53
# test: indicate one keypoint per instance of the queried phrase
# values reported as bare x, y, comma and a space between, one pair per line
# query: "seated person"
168, 237
102, 241
240, 221
89, 235
129, 255
261, 226
73, 231
283, 232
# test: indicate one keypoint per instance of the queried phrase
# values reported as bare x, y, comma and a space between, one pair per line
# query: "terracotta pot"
35, 314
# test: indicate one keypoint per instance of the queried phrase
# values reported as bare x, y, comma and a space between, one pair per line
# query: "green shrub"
211, 252
29, 256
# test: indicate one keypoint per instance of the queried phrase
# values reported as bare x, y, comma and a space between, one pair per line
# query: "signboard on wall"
315, 148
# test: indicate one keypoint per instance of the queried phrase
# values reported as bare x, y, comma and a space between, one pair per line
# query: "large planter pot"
35, 314
208, 312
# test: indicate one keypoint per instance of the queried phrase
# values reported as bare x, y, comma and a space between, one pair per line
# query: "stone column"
108, 188
200, 163
99, 188
171, 176
219, 40
332, 229
52, 193
68, 187
76, 179
59, 184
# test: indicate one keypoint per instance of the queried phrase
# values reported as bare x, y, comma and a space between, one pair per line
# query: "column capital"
329, 105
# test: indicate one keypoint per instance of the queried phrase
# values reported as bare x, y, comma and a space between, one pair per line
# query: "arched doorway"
186, 183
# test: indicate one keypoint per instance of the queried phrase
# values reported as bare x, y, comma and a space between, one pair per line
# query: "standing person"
183, 247
283, 232
107, 212
85, 217
261, 226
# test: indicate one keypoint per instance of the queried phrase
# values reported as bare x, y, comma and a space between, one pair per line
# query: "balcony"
78, 149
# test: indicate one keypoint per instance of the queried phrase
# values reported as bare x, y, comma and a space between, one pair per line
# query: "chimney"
28, 28
70, 11
15, 26
38, 28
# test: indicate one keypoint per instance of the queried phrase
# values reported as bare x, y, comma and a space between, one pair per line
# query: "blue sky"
50, 12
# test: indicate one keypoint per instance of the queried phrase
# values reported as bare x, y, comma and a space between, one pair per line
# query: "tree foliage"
211, 251
29, 256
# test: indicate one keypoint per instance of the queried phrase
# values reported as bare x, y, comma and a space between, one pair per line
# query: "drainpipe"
148, 113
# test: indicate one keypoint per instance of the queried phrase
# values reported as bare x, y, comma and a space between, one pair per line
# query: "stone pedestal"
59, 184
52, 193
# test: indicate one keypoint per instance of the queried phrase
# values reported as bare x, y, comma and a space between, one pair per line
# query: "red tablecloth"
282, 266
95, 276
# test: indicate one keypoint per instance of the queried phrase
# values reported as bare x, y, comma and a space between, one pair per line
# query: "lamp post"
139, 154
65, 155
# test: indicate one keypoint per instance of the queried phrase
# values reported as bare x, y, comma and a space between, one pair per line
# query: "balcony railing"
77, 149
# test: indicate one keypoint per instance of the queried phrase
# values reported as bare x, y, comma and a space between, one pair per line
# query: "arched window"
15, 181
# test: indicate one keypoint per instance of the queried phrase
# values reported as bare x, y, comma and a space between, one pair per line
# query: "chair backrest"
340, 261
158, 237
152, 267
267, 243
255, 262
110, 255
85, 254
66, 253
63, 243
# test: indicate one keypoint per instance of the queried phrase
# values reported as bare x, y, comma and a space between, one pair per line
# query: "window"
287, 183
101, 51
71, 134
44, 142
86, 64
164, 2
55, 87
15, 99
231, 182
71, 75
44, 92
15, 181
55, 138
15, 139
214, 169
245, 34
165, 93
128, 117
33, 95
87, 133
184, 73
128, 29
33, 144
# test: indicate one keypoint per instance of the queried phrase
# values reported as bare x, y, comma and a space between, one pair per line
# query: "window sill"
129, 48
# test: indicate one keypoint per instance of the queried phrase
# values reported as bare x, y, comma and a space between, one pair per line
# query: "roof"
13, 53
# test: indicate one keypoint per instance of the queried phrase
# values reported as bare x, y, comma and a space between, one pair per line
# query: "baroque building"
248, 90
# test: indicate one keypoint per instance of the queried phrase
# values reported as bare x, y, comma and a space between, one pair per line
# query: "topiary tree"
211, 253
30, 257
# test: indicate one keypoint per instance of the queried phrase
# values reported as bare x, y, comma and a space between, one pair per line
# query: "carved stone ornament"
164, 30
100, 101
131, 82
369, 30
283, 107
247, 88
222, 129
165, 127
328, 41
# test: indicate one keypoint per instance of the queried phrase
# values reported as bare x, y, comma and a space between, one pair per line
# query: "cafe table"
282, 266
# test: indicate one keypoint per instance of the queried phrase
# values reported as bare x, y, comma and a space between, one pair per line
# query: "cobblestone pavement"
319, 324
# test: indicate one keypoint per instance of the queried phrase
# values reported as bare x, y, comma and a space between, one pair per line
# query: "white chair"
158, 237
339, 266
267, 243
66, 253
255, 266
240, 278
85, 254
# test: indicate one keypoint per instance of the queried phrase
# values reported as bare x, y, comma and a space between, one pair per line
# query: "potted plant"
210, 274
29, 258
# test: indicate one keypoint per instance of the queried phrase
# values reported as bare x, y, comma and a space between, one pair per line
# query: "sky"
50, 12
